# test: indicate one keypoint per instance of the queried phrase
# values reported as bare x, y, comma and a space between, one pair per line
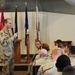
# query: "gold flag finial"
16, 5
27, 31
25, 3
2, 5
36, 3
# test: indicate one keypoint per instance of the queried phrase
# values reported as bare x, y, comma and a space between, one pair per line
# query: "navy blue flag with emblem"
26, 27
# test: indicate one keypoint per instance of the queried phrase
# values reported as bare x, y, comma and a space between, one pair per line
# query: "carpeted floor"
20, 68
19, 72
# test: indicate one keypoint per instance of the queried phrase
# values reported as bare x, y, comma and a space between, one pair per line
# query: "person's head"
7, 23
62, 62
38, 44
70, 50
43, 53
59, 43
45, 46
69, 70
56, 53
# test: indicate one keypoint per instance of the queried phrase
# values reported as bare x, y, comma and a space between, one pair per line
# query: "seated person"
59, 44
49, 68
44, 46
55, 54
69, 70
38, 46
43, 58
70, 50
62, 62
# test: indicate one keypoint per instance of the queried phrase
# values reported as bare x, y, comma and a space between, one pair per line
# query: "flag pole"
37, 35
27, 35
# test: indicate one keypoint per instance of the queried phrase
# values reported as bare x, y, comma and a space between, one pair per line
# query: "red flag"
2, 19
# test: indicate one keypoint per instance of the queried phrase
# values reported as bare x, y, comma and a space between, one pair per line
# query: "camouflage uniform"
6, 52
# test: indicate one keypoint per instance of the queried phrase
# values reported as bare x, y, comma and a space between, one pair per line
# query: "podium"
17, 55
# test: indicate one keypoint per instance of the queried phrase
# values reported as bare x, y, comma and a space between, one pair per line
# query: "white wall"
53, 26
60, 26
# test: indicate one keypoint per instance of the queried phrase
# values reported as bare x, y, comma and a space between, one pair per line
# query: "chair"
35, 69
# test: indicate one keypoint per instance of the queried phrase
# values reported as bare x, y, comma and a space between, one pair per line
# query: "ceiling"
56, 6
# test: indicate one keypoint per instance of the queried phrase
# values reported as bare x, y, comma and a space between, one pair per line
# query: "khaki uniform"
72, 58
62, 49
6, 52
39, 61
42, 60
47, 69
58, 73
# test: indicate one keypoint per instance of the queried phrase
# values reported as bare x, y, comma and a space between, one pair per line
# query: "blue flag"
26, 27
26, 20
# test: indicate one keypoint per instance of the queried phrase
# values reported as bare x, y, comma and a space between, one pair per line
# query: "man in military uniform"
6, 48
43, 58
49, 67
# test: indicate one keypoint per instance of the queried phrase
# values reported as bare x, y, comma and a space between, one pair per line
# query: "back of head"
43, 52
56, 53
69, 70
62, 62
45, 46
72, 49
59, 43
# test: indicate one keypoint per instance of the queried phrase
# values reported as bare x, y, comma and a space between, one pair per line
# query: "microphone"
12, 30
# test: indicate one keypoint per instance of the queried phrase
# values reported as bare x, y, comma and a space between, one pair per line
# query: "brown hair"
5, 21
45, 46
37, 41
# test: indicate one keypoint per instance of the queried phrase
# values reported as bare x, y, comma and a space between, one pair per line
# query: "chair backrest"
33, 58
35, 69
